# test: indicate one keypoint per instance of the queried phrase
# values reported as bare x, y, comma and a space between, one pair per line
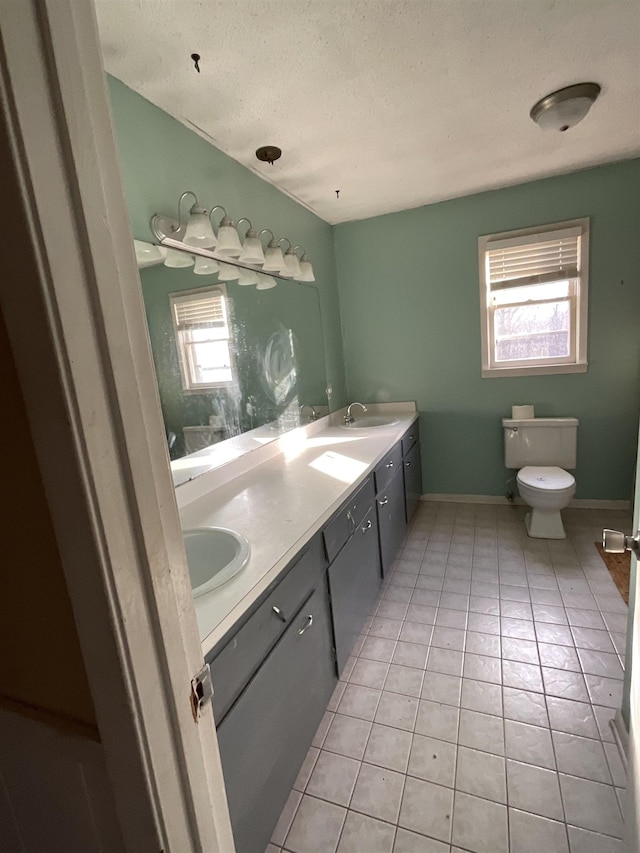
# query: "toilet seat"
546, 478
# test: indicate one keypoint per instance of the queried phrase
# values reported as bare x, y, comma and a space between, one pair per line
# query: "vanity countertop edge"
281, 504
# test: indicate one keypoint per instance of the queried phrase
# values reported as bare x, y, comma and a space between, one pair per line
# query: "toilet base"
545, 524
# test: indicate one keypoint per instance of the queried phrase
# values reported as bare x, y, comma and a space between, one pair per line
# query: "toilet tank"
540, 441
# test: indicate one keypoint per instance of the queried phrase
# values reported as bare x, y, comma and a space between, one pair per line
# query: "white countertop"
282, 502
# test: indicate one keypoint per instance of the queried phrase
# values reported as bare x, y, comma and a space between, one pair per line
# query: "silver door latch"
201, 690
616, 542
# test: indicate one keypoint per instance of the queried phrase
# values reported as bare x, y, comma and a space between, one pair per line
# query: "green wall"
161, 158
409, 301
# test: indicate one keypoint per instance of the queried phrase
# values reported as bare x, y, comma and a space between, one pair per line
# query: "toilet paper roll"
522, 413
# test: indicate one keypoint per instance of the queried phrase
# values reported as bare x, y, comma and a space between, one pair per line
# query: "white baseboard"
580, 503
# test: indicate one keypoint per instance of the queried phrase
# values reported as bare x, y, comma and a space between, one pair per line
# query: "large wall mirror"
236, 366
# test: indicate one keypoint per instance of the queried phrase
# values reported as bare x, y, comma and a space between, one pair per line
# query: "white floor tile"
481, 774
531, 834
581, 756
388, 747
316, 827
591, 805
434, 821
378, 792
433, 760
530, 744
534, 789
481, 731
479, 825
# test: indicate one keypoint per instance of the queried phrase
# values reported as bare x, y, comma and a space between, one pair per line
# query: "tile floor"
474, 715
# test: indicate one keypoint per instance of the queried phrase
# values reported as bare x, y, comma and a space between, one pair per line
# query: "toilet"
541, 449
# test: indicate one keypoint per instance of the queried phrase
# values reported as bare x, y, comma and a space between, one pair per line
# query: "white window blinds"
199, 312
535, 259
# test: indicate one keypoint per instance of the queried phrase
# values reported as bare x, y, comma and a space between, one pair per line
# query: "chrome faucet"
314, 414
348, 418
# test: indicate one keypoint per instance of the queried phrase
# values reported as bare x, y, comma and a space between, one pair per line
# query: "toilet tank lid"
540, 422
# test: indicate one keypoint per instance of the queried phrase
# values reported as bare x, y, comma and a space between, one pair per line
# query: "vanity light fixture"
247, 277
252, 251
274, 260
198, 231
265, 282
291, 265
205, 266
148, 255
563, 109
306, 270
177, 260
228, 241
228, 272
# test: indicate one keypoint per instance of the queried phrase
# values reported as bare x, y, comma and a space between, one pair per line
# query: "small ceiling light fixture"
563, 109
268, 154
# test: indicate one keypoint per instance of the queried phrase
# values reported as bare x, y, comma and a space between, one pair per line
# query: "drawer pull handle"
384, 501
367, 526
352, 520
408, 464
410, 438
279, 613
306, 625
389, 465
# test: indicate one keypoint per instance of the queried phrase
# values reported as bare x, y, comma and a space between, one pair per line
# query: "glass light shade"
228, 272
252, 251
291, 267
306, 270
228, 240
563, 109
178, 260
265, 282
199, 232
205, 266
147, 254
248, 277
274, 259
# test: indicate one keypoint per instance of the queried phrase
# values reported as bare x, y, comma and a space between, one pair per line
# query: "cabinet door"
412, 480
392, 519
354, 582
265, 737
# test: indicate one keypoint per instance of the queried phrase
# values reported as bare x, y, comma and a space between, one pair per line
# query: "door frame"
71, 299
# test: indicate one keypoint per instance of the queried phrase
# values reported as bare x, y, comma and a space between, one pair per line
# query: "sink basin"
371, 421
214, 556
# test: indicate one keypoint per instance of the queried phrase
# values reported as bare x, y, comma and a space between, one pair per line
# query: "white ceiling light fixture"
563, 109
198, 232
148, 255
252, 251
228, 241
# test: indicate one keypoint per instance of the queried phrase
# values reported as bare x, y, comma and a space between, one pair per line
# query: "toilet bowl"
547, 490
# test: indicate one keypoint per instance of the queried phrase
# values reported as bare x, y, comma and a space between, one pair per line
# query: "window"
203, 337
533, 299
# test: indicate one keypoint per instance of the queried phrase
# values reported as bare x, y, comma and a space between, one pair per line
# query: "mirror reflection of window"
203, 338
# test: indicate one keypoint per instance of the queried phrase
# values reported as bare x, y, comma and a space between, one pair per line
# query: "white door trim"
71, 299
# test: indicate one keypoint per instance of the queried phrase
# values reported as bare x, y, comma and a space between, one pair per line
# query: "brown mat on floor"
619, 566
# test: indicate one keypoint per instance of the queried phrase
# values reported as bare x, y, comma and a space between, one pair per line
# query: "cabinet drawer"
388, 467
409, 438
265, 737
234, 665
344, 522
412, 480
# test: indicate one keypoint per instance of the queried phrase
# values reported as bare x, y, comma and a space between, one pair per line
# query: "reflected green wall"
160, 158
409, 299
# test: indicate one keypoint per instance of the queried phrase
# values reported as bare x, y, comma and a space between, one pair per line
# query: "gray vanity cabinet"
412, 464
392, 521
277, 674
354, 582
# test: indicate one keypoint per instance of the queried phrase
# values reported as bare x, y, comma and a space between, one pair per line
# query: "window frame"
578, 299
184, 348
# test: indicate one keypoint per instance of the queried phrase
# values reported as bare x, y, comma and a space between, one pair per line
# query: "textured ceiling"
396, 103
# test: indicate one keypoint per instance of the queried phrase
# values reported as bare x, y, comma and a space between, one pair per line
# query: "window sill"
539, 370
